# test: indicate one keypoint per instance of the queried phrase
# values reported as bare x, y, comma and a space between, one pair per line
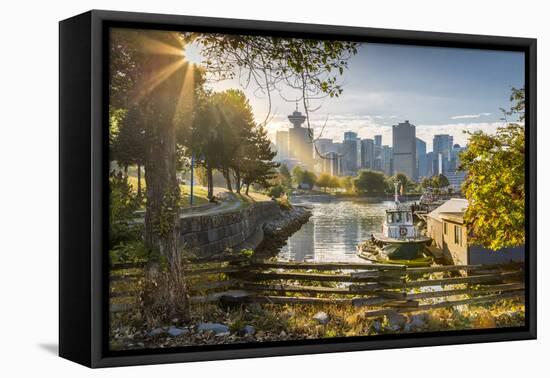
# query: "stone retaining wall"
212, 234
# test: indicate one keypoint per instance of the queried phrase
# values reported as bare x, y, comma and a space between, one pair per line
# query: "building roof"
454, 206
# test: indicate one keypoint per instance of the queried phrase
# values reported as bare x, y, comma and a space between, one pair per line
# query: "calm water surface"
335, 229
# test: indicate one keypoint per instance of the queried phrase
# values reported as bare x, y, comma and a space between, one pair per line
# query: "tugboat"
400, 240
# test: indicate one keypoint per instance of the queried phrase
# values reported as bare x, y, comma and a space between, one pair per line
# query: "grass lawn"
200, 194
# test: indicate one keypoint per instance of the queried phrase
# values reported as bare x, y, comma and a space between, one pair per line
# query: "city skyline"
408, 154
441, 90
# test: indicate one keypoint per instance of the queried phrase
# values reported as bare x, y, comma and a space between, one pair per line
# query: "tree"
334, 182
285, 174
219, 134
309, 178
130, 145
370, 182
427, 183
405, 183
141, 63
324, 181
149, 71
495, 182
346, 183
440, 181
257, 165
297, 175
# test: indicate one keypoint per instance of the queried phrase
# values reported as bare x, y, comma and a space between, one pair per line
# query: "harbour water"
335, 229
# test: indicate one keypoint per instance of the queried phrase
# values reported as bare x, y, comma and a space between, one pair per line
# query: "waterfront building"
445, 225
367, 153
404, 149
281, 142
300, 140
430, 164
421, 163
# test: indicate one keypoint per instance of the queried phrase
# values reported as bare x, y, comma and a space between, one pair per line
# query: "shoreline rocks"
278, 228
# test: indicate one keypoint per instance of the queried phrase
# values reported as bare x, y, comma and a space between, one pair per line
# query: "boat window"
390, 220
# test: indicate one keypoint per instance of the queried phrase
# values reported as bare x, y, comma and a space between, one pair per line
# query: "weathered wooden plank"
282, 300
213, 285
457, 280
477, 300
380, 301
270, 276
456, 268
214, 297
478, 291
128, 265
323, 265
216, 259
121, 307
125, 294
125, 277
394, 274
282, 288
213, 270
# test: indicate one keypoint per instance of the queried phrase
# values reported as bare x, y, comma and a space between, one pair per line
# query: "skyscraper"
332, 164
442, 146
378, 158
300, 140
281, 141
367, 153
387, 160
324, 147
351, 153
404, 149
430, 164
421, 163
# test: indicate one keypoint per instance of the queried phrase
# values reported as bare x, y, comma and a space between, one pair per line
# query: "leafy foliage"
495, 184
370, 182
123, 205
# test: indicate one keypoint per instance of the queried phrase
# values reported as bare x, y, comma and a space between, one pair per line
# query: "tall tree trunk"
238, 180
162, 206
227, 179
247, 187
210, 181
125, 170
139, 180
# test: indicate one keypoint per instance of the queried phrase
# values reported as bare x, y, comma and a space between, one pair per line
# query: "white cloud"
466, 116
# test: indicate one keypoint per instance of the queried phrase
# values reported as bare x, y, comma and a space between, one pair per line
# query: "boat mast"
396, 196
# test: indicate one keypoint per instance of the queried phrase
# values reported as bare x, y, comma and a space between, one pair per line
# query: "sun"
192, 54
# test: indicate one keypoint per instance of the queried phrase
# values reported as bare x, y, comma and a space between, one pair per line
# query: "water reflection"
334, 230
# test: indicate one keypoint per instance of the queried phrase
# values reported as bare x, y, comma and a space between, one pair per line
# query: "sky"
440, 90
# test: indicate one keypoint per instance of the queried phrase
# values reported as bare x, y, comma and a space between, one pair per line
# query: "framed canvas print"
233, 188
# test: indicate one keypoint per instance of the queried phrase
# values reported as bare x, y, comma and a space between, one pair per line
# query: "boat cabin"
399, 224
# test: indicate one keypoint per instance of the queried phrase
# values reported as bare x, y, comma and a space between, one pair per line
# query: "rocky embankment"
278, 228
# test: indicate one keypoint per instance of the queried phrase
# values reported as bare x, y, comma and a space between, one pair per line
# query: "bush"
284, 203
276, 191
128, 252
123, 204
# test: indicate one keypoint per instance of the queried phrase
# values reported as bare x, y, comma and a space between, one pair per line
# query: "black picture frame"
83, 138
